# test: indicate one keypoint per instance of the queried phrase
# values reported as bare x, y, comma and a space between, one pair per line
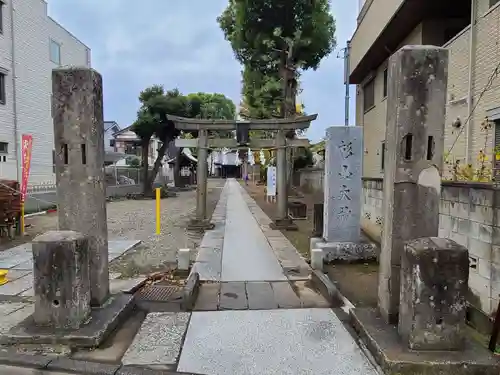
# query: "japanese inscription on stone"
343, 187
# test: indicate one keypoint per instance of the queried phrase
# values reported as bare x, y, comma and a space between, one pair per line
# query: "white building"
31, 45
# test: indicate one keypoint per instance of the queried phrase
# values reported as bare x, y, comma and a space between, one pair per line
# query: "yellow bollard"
22, 219
158, 219
3, 277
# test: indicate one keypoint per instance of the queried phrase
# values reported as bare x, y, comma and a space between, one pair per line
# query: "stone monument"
79, 145
61, 279
419, 325
342, 197
71, 280
434, 276
414, 153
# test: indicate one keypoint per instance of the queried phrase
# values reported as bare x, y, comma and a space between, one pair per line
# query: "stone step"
258, 295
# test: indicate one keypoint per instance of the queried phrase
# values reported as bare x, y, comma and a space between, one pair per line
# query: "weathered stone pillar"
79, 146
317, 220
281, 177
201, 175
61, 281
282, 220
434, 277
414, 152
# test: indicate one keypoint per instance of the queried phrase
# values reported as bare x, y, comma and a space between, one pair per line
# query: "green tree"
261, 30
152, 121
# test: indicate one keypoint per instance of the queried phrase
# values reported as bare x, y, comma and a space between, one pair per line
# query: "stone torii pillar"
281, 126
416, 106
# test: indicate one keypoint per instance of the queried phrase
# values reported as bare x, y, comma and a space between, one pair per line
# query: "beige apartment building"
470, 29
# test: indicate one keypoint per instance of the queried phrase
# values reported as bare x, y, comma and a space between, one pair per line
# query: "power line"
488, 85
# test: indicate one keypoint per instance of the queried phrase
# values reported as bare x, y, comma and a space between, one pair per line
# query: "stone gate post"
416, 106
79, 149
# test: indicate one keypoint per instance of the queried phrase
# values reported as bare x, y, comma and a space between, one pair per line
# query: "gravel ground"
135, 220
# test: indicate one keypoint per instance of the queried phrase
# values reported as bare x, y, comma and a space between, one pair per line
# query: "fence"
120, 181
469, 215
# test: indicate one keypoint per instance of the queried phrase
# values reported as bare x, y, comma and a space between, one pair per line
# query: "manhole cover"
160, 293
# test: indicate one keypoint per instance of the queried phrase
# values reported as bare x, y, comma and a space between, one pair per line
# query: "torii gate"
242, 128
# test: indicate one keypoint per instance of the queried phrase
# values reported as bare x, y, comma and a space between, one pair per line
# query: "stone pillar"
282, 221
281, 177
61, 283
434, 277
416, 106
201, 174
79, 149
343, 185
317, 220
201, 222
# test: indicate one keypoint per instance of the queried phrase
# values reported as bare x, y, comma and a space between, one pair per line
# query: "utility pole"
347, 51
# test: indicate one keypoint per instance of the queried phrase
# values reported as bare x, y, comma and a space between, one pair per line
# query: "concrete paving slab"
208, 297
13, 288
15, 317
284, 296
233, 296
246, 255
305, 341
261, 296
159, 340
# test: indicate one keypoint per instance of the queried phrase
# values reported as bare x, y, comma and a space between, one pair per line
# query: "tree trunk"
157, 165
145, 166
177, 169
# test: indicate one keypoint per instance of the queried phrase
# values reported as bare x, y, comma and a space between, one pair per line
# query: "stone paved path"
256, 312
247, 255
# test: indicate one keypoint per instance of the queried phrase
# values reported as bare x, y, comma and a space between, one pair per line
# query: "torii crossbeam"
203, 143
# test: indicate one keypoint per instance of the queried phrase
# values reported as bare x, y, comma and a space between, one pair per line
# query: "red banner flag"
27, 144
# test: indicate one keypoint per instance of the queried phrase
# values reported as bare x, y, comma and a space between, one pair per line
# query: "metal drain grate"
161, 293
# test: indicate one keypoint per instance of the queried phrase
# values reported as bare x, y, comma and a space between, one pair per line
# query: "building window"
385, 82
493, 2
4, 148
1, 16
3, 98
112, 143
87, 51
382, 157
53, 161
369, 95
55, 52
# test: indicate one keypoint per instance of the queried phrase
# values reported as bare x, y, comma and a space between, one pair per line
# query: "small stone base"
196, 224
384, 343
101, 323
346, 251
284, 224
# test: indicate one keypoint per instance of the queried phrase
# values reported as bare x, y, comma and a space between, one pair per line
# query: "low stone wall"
469, 215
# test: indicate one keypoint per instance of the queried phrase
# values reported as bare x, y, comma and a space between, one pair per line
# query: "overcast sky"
178, 43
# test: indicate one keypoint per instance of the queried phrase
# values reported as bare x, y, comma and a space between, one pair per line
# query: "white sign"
271, 181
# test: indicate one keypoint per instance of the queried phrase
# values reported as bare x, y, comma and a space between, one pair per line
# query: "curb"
329, 290
73, 366
190, 293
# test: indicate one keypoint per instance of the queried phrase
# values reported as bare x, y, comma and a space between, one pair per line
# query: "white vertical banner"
271, 181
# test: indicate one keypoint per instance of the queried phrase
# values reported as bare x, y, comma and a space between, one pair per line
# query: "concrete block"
317, 259
61, 279
434, 274
183, 258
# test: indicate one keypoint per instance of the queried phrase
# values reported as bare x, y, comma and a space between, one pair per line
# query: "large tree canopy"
152, 119
260, 30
